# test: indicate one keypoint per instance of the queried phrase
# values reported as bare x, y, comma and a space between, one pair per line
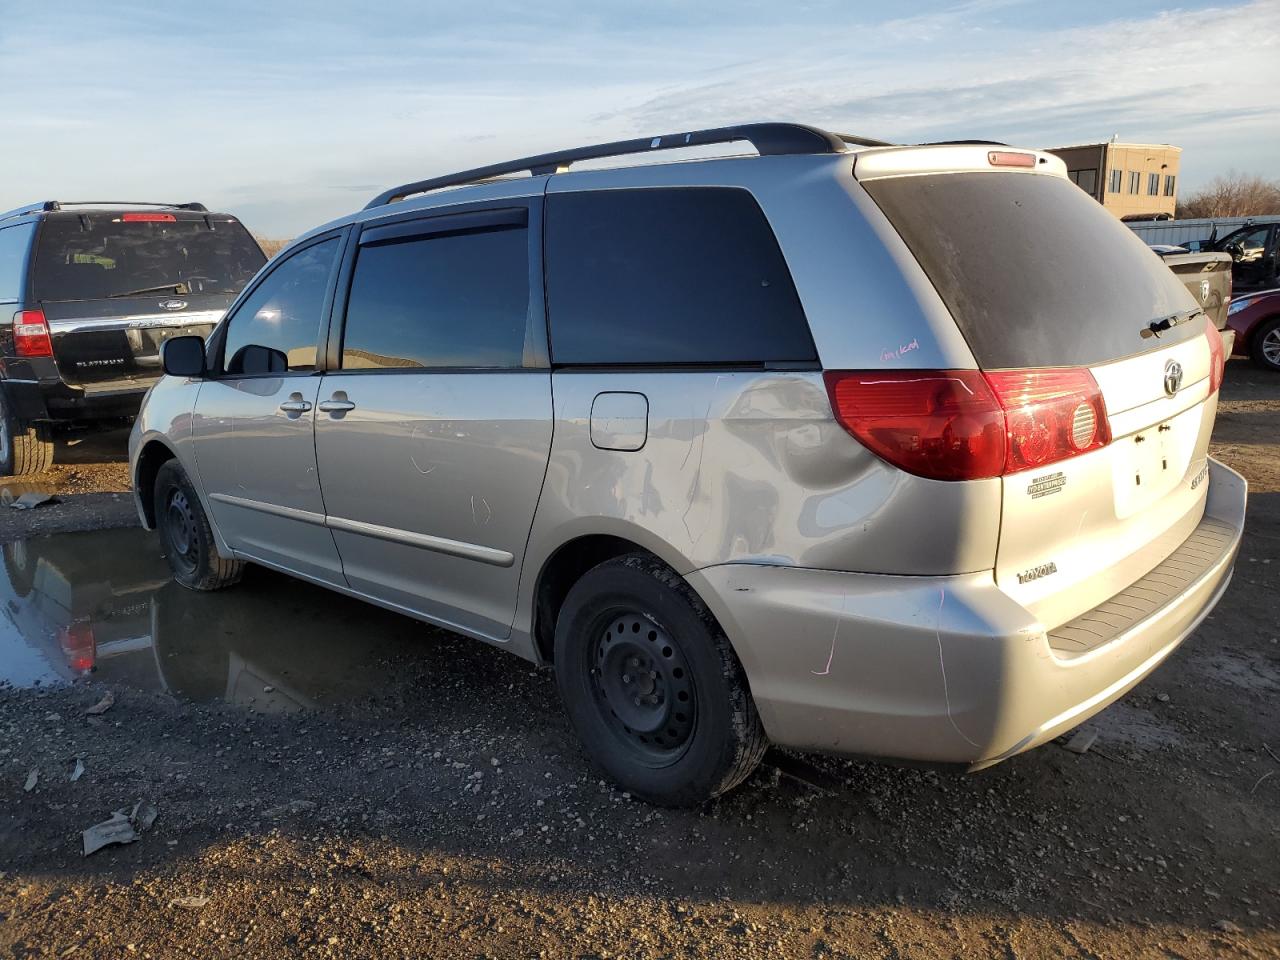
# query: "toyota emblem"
1172, 377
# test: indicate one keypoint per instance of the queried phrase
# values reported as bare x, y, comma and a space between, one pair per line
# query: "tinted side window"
282, 315
452, 300
669, 276
14, 242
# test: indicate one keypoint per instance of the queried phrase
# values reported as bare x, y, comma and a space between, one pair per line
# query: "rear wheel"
25, 449
1265, 345
185, 535
652, 685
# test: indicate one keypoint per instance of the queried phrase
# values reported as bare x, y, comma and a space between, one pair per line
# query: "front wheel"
185, 535
652, 685
1265, 345
25, 450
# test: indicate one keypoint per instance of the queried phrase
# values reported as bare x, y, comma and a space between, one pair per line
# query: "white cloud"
284, 113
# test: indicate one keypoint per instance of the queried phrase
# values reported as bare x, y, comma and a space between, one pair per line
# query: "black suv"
88, 292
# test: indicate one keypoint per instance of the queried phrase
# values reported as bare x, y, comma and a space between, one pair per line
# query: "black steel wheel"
178, 529
644, 688
186, 539
653, 686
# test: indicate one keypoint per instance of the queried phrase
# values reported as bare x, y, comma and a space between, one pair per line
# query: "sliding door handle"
336, 406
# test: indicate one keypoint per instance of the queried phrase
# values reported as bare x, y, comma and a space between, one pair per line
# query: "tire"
185, 535
652, 685
20, 566
25, 449
1264, 345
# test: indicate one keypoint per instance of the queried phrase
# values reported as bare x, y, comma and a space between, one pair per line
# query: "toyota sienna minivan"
844, 446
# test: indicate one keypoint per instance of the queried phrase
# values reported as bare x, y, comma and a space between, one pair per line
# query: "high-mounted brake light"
31, 334
967, 425
1006, 158
148, 218
1217, 355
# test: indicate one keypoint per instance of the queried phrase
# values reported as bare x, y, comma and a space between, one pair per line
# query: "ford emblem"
173, 304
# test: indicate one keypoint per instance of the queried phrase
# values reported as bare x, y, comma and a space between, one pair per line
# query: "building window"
1117, 175
1135, 181
1153, 184
1169, 182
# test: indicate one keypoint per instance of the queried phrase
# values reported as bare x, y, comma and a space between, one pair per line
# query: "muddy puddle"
102, 604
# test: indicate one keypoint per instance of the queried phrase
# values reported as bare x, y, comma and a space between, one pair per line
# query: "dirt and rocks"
359, 785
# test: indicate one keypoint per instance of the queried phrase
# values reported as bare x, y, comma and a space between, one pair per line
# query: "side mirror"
183, 357
253, 358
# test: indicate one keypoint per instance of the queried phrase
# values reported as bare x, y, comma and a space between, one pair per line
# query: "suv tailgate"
114, 284
96, 342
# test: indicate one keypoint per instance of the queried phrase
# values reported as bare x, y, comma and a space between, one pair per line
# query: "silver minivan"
844, 446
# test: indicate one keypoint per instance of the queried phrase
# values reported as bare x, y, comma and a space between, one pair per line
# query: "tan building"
1129, 179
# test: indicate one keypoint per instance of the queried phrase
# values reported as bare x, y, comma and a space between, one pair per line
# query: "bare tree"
1233, 195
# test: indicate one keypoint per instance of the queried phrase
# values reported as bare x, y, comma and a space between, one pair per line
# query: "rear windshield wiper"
178, 287
1157, 327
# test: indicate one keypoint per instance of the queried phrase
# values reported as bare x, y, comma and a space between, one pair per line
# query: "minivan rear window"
97, 255
1035, 273
665, 276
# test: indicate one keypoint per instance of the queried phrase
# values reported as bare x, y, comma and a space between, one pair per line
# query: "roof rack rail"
59, 204
767, 138
27, 208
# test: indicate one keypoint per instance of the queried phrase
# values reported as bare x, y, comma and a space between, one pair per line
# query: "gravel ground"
442, 808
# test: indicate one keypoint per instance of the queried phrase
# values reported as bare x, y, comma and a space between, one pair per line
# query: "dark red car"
1255, 317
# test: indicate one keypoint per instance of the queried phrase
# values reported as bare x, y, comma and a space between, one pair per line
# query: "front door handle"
295, 404
336, 405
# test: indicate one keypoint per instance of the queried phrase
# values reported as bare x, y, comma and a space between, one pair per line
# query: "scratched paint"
835, 635
942, 665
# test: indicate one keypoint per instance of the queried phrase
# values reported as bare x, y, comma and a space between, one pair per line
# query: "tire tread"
739, 750
32, 450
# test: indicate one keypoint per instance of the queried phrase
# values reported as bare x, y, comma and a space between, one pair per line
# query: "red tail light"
79, 647
31, 334
965, 424
149, 218
1050, 415
1217, 357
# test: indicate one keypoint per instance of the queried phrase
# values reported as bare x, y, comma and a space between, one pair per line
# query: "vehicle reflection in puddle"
102, 603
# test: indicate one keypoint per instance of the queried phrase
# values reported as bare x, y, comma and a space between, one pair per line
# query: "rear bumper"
950, 669
33, 400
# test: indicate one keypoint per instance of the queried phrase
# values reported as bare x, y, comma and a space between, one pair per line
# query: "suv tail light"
966, 424
1217, 358
31, 334
79, 647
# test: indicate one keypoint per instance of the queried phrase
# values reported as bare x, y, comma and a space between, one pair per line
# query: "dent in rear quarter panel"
746, 467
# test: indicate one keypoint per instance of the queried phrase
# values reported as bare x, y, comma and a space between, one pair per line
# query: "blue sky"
290, 113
